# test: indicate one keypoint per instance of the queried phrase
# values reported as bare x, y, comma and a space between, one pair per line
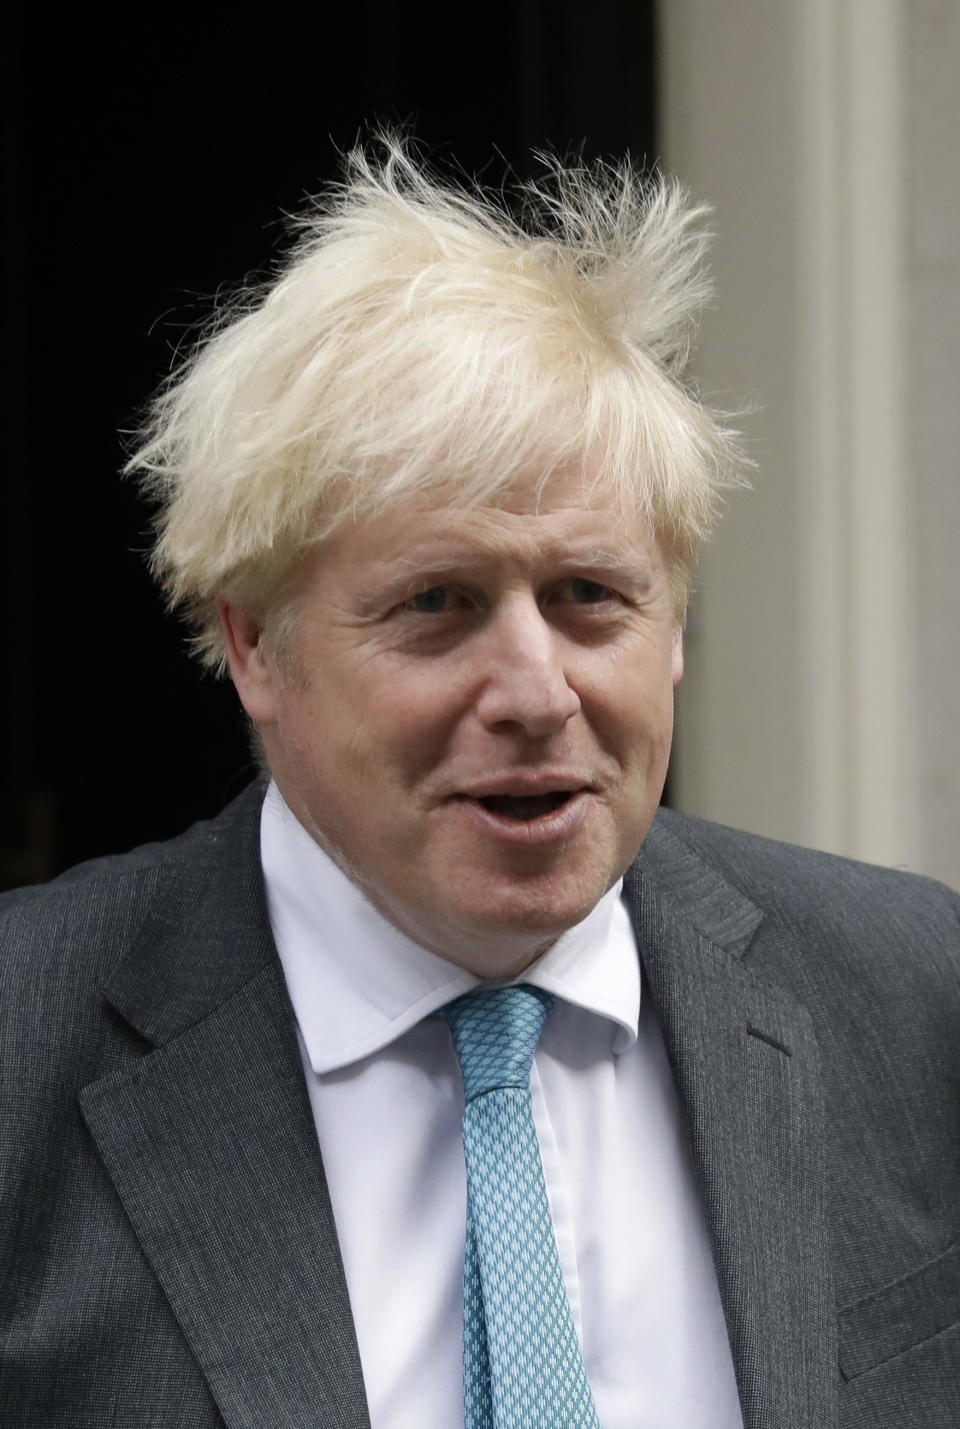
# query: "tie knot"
495, 1033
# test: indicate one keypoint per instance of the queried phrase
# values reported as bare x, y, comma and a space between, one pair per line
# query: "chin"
529, 911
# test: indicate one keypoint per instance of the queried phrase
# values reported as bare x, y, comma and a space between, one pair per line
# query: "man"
435, 501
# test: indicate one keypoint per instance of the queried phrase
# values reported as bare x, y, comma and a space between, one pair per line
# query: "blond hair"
420, 339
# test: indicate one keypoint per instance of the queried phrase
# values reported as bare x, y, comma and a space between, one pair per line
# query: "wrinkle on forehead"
554, 481
438, 540
577, 500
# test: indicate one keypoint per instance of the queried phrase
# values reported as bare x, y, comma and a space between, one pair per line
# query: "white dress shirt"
386, 1095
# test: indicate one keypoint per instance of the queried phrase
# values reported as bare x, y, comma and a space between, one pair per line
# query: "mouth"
525, 807
521, 813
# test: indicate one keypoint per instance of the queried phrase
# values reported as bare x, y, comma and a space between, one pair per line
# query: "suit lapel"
210, 1144
745, 1062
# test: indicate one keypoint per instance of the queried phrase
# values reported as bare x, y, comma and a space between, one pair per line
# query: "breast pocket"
899, 1316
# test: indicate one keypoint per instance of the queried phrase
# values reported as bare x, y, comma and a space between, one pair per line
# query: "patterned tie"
522, 1365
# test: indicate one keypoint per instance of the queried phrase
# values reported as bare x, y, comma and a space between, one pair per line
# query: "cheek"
641, 741
636, 694
676, 661
374, 727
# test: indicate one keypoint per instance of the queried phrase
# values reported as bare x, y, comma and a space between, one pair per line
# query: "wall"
822, 692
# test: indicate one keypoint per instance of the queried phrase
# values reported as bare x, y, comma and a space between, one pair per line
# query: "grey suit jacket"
168, 1256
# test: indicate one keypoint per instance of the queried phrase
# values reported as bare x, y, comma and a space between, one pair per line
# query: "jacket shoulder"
815, 923
775, 874
80, 923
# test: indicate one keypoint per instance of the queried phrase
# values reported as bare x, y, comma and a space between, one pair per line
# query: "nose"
525, 689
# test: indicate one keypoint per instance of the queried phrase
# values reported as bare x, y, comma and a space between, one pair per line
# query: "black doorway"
148, 163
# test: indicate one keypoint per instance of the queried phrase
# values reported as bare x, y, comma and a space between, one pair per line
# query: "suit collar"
745, 1062
207, 931
695, 890
210, 1144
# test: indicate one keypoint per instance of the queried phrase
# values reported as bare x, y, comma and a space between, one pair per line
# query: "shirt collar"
356, 983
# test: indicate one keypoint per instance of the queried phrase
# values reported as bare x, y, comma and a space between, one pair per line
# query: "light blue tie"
522, 1365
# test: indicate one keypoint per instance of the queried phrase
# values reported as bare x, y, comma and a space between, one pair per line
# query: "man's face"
481, 731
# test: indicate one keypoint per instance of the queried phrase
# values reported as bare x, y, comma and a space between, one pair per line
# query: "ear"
677, 657
254, 675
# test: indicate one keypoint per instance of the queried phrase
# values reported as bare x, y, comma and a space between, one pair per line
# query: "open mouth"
525, 807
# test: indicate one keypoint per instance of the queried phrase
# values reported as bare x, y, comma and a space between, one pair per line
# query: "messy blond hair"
421, 339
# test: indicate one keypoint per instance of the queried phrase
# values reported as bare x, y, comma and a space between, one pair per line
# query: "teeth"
525, 806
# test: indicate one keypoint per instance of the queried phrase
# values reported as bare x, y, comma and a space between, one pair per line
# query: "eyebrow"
437, 554
619, 556
402, 575
600, 558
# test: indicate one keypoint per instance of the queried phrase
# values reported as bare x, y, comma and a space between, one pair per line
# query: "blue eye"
431, 601
586, 592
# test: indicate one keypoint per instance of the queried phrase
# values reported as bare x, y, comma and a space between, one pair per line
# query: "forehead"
570, 514
522, 526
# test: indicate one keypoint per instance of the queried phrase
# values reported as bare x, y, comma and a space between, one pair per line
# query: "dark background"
147, 166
